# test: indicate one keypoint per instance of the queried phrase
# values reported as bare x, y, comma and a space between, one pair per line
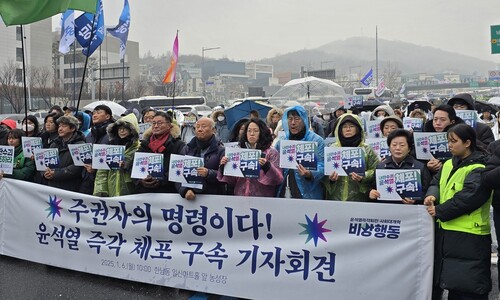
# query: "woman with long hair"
460, 202
257, 136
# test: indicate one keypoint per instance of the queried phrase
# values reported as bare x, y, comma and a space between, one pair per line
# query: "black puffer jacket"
491, 173
67, 176
211, 158
462, 260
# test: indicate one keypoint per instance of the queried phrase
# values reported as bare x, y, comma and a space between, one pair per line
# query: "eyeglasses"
122, 128
158, 123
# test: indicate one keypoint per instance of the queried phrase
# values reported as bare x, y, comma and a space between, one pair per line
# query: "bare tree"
42, 84
11, 86
392, 76
136, 88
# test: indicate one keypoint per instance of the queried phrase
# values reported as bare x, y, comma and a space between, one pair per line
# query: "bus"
164, 102
368, 93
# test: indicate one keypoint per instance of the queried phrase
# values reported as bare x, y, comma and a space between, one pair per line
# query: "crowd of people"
457, 192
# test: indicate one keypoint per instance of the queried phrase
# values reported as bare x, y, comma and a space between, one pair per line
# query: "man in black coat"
464, 101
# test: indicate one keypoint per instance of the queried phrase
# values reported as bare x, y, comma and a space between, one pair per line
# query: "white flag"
67, 31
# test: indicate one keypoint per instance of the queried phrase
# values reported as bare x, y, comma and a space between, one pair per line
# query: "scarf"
299, 136
98, 131
353, 141
156, 143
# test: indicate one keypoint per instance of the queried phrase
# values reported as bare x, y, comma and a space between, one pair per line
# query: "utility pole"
203, 49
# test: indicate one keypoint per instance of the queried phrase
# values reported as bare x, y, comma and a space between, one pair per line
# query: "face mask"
326, 117
379, 118
30, 127
221, 118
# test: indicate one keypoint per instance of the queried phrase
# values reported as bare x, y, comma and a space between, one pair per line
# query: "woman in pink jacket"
257, 136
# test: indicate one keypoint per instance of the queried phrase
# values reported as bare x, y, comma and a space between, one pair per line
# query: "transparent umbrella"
323, 92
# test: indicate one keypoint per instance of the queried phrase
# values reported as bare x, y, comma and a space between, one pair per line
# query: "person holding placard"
24, 168
354, 187
460, 202
163, 139
102, 116
301, 183
50, 132
67, 176
257, 136
207, 146
400, 143
111, 183
443, 119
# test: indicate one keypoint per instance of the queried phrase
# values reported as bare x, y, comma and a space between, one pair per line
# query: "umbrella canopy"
318, 90
422, 104
116, 108
242, 110
495, 100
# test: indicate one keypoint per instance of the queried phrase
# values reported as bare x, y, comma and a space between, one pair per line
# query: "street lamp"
203, 49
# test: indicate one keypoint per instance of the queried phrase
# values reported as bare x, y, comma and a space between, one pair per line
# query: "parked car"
202, 110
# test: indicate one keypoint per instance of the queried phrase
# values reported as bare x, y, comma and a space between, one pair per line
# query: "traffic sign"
495, 39
473, 84
494, 75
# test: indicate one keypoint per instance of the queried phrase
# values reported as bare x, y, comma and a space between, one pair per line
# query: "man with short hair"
69, 110
301, 183
207, 146
101, 118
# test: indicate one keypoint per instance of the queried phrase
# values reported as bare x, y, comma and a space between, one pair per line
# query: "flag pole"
24, 82
74, 74
86, 62
175, 70
123, 78
100, 69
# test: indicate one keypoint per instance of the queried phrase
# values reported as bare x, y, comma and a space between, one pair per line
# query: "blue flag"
367, 79
121, 30
83, 29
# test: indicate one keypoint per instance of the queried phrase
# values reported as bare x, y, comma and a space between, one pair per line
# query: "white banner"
373, 130
7, 159
293, 153
107, 157
242, 162
249, 248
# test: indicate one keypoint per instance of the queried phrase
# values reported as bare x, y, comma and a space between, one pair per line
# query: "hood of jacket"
395, 119
463, 97
301, 111
217, 113
351, 118
271, 113
85, 121
129, 121
388, 110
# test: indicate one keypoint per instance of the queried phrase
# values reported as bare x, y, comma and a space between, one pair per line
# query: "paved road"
26, 280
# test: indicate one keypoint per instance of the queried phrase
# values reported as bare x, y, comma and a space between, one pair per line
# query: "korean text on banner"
248, 248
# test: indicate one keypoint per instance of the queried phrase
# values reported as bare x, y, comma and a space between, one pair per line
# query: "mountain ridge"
357, 54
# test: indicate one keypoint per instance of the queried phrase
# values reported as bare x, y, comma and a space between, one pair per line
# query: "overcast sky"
255, 29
